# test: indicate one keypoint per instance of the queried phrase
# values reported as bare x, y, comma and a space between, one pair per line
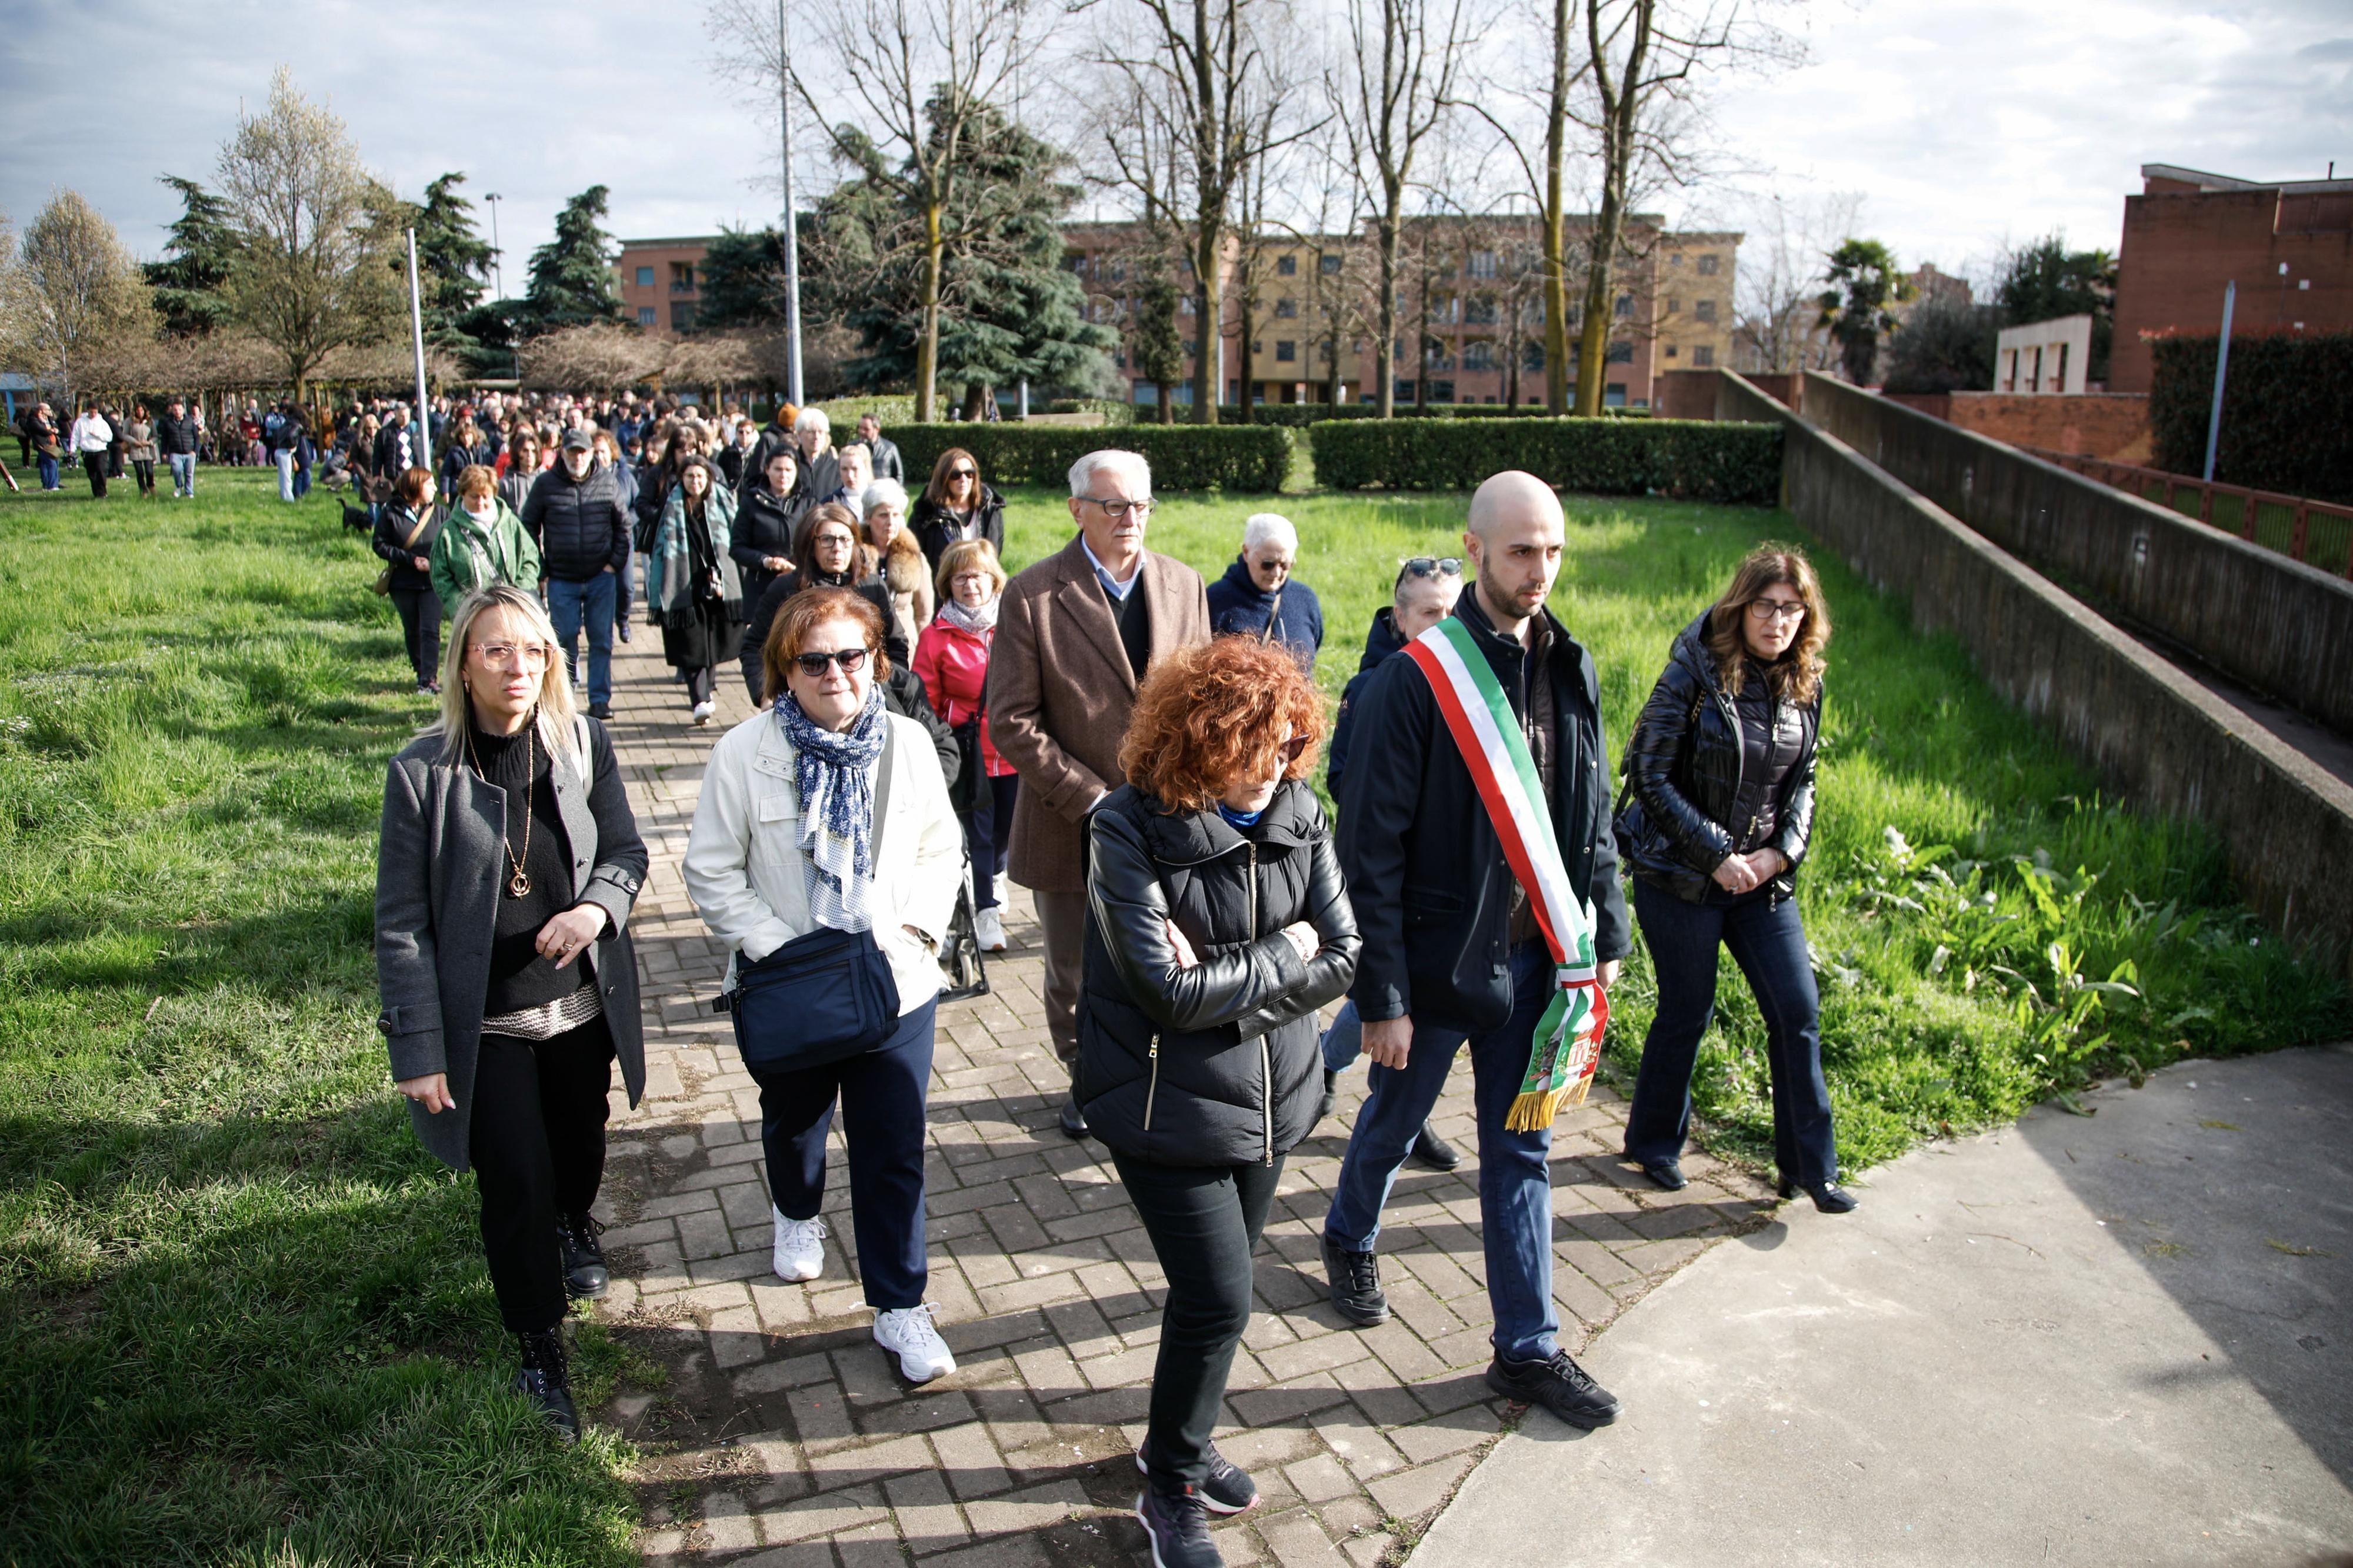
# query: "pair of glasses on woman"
813, 664
962, 474
1429, 567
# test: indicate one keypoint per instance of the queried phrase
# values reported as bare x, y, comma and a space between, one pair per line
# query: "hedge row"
1697, 459
2287, 411
1299, 416
1183, 456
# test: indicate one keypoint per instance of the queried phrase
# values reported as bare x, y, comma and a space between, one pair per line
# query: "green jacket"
467, 556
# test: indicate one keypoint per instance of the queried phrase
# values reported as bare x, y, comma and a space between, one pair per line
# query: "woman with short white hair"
1258, 596
883, 508
822, 464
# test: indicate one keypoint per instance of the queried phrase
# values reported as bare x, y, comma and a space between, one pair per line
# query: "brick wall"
2096, 424
2181, 247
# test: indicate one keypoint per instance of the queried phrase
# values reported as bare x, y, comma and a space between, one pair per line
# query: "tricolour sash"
1568, 1042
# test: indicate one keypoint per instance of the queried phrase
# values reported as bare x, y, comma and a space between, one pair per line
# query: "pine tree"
198, 256
742, 280
1158, 353
453, 266
572, 275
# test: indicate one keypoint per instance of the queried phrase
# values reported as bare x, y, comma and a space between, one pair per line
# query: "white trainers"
703, 712
988, 929
800, 1247
909, 1333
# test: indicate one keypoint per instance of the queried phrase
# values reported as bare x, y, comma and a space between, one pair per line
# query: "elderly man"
888, 463
1074, 634
1257, 598
1454, 953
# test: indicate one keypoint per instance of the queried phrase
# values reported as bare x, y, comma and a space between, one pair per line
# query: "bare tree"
71, 294
1776, 311
1392, 87
315, 234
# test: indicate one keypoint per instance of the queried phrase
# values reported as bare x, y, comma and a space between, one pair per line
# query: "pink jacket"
954, 664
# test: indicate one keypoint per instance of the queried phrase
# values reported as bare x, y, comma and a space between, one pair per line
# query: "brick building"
2288, 245
661, 283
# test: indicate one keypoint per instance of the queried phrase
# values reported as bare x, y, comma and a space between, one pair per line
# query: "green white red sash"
1568, 1043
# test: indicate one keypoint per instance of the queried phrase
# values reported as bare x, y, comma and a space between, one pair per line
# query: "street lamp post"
792, 237
497, 270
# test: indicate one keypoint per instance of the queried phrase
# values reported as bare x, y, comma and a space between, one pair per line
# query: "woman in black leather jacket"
1720, 773
1216, 924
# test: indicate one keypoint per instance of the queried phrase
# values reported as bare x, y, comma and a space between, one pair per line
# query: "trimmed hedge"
1298, 416
1183, 456
1696, 460
2287, 413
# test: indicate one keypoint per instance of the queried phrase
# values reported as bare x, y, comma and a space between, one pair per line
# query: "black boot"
586, 1276
547, 1380
1435, 1152
1331, 1096
1829, 1196
1074, 1120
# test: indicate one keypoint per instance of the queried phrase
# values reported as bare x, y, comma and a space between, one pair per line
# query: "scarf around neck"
835, 771
979, 622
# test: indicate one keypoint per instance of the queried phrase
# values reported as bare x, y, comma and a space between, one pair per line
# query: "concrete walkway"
2121, 1339
777, 1434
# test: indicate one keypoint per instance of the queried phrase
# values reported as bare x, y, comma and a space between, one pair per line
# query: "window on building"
1330, 266
1078, 264
1286, 265
1480, 312
1676, 259
1479, 356
1704, 310
1670, 350
1673, 304
1709, 264
1482, 264
1184, 305
1703, 356
1625, 306
1286, 350
681, 316
1620, 353
646, 313
1532, 358
681, 277
645, 277
1442, 392
1286, 307
1614, 396
1405, 392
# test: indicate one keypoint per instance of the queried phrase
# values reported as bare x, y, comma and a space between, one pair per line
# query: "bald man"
1453, 953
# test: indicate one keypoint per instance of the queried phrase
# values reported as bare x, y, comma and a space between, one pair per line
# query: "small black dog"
359, 519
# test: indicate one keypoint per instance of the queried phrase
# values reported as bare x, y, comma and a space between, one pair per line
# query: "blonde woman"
1721, 772
509, 864
882, 507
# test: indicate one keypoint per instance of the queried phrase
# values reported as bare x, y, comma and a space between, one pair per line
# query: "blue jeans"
1343, 1041
1769, 943
569, 604
49, 474
184, 473
1514, 1184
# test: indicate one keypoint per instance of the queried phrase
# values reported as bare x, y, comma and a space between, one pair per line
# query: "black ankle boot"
546, 1378
586, 1278
1331, 1096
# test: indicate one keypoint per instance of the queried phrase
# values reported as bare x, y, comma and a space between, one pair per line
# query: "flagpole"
424, 420
792, 237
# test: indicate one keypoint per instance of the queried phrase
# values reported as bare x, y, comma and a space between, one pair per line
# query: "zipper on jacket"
1152, 1092
1266, 1094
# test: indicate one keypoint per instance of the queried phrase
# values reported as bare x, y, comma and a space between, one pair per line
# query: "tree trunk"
1385, 353
1618, 108
1208, 273
927, 350
1555, 236
1167, 401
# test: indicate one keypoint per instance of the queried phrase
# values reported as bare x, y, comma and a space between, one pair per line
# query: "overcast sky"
1964, 124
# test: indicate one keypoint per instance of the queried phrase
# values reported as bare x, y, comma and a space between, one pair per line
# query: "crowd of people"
1134, 746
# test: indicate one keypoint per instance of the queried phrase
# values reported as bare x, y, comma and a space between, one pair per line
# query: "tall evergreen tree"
453, 264
188, 282
1157, 348
742, 281
2045, 280
572, 275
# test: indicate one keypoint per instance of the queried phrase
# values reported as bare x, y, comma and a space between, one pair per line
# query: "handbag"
824, 996
383, 578
968, 791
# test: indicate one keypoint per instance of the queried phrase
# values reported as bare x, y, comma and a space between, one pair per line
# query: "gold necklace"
519, 884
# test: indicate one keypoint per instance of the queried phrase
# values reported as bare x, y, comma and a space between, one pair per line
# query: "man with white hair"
1075, 634
1257, 598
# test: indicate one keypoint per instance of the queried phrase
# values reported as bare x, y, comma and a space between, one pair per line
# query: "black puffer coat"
1683, 771
580, 525
1217, 1064
935, 527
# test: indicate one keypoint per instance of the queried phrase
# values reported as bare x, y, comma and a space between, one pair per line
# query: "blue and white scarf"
836, 775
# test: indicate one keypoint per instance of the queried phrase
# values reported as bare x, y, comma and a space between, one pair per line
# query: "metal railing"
2316, 533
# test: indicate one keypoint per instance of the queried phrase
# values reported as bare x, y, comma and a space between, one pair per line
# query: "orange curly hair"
1211, 714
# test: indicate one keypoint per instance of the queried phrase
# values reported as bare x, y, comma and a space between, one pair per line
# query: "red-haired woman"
1721, 770
1216, 924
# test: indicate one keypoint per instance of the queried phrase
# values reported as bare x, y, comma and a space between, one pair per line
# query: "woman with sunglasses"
1216, 924
955, 506
826, 814
1720, 776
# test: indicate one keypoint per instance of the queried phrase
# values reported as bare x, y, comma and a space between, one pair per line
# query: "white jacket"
90, 434
749, 880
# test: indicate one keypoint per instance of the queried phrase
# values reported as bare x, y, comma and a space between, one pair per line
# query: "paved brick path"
781, 1435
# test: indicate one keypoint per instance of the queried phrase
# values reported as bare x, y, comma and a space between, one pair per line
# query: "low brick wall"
2285, 628
2152, 733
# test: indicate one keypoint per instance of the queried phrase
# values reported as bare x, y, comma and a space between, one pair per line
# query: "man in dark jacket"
1453, 953
1258, 596
576, 515
888, 463
177, 437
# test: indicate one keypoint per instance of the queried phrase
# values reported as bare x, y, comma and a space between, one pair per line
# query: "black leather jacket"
1682, 772
1217, 1064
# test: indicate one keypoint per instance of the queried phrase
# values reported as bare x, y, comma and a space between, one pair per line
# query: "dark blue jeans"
572, 605
1768, 944
1514, 1185
988, 834
882, 1094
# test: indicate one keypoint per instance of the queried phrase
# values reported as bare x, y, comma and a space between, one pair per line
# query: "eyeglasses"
1770, 610
1430, 566
1117, 511
1293, 749
507, 655
851, 659
971, 579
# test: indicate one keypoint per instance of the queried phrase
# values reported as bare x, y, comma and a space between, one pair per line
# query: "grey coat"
438, 871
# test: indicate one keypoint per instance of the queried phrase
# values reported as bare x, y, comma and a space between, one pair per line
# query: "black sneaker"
1177, 1526
1228, 1490
1561, 1385
1435, 1152
601, 711
546, 1381
584, 1274
1356, 1285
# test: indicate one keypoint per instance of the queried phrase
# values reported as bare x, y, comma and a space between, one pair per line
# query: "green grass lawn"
245, 1317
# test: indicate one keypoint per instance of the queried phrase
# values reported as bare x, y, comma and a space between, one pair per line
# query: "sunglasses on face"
1293, 749
1430, 566
851, 659
960, 473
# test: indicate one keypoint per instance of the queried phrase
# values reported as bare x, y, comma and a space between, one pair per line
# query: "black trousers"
94, 465
698, 682
988, 834
1204, 1221
420, 625
538, 1147
143, 470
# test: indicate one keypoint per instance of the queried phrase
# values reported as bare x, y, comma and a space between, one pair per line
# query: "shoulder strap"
882, 784
411, 541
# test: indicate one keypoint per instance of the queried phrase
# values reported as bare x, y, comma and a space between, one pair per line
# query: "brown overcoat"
1061, 693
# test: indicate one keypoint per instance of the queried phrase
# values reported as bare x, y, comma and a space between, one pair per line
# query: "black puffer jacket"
1217, 1064
1380, 642
935, 527
765, 526
1684, 772
580, 525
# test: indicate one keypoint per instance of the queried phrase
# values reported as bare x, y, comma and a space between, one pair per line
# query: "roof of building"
2206, 182
705, 239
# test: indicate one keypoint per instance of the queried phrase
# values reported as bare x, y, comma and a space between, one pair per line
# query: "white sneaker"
703, 712
908, 1332
988, 929
800, 1247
